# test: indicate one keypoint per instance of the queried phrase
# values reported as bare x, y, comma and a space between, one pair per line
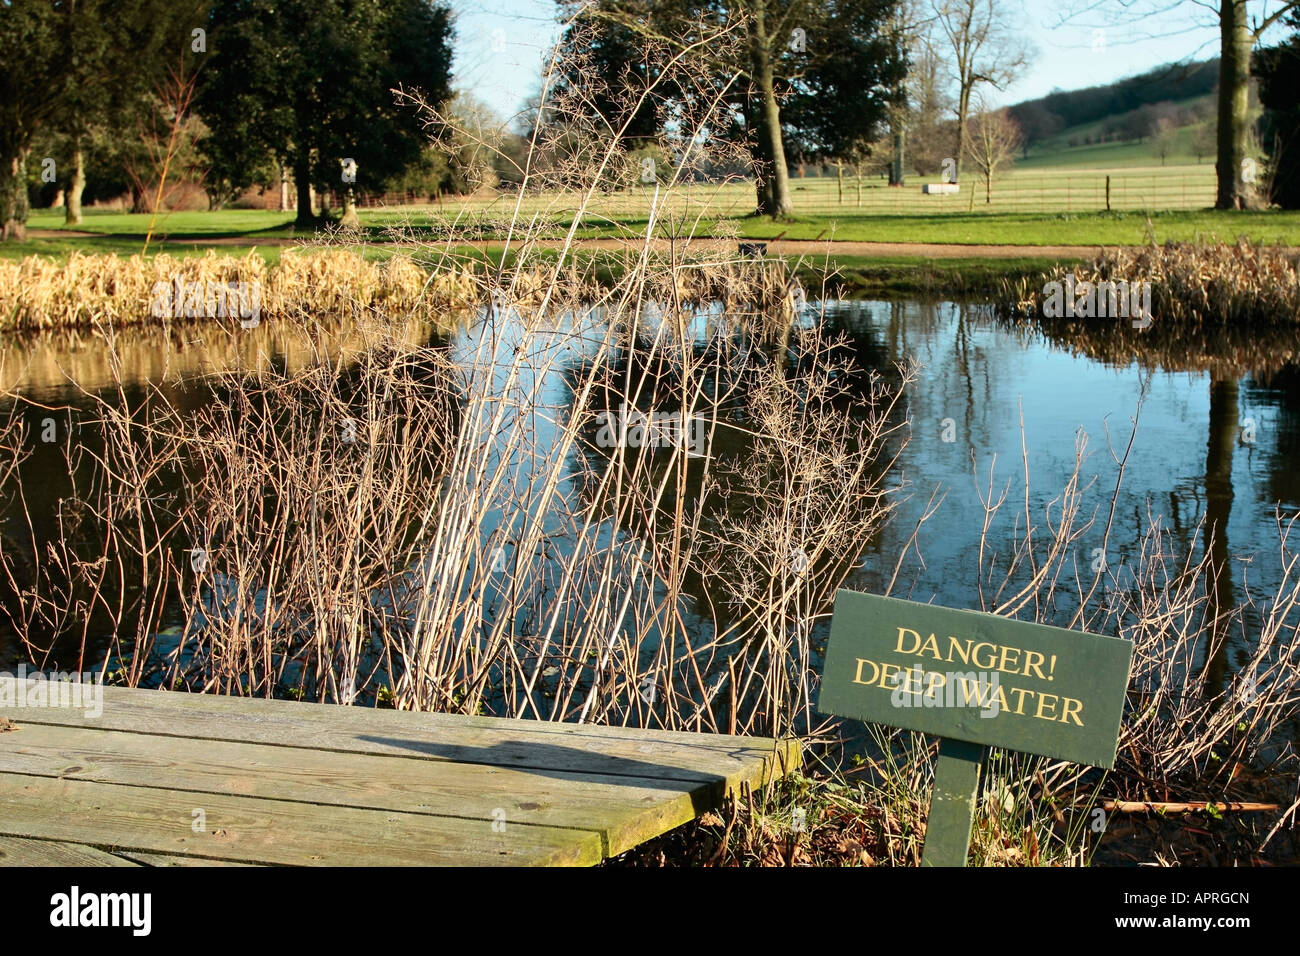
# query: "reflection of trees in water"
1281, 389
1222, 443
126, 399
1224, 352
58, 362
1227, 354
703, 521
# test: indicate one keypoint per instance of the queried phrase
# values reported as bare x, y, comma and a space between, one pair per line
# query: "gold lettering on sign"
875, 671
984, 693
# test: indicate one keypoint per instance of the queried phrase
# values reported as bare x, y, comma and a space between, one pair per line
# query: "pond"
996, 403
1215, 442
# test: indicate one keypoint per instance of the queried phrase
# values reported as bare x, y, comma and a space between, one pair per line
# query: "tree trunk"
302, 180
13, 196
780, 203
900, 143
963, 105
72, 214
774, 198
1235, 42
350, 219
762, 177
141, 198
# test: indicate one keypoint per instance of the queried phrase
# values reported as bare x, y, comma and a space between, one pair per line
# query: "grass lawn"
177, 225
1040, 229
235, 232
888, 276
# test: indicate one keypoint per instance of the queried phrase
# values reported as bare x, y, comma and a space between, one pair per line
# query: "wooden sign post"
976, 681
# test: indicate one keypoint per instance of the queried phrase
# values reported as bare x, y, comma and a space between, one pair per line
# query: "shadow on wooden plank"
705, 796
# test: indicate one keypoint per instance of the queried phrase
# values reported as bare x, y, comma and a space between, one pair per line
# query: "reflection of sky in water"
986, 379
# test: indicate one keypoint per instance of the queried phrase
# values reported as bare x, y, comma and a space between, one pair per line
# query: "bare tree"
986, 50
909, 32
1206, 140
930, 134
1165, 138
994, 139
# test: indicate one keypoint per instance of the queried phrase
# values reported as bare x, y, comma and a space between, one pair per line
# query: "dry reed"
1192, 283
37, 293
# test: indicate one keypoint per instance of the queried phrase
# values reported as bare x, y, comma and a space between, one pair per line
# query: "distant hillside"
1130, 109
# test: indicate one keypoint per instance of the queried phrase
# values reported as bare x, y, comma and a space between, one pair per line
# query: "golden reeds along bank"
1114, 299
183, 299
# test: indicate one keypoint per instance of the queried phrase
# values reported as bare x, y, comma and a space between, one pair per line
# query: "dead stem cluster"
1193, 284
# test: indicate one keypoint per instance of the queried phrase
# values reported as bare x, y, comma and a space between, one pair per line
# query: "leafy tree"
117, 50
1165, 139
33, 75
70, 68
1036, 123
1205, 140
311, 83
1278, 69
815, 76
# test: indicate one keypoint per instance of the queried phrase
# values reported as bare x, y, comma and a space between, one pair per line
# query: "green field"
185, 233
1056, 197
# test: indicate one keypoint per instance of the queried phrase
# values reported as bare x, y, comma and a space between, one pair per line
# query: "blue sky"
500, 45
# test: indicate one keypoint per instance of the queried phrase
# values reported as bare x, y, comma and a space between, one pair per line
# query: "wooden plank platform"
279, 782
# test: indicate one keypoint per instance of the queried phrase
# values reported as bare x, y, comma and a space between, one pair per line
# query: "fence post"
1108, 192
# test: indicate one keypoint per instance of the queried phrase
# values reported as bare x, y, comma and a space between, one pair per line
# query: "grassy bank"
980, 227
890, 276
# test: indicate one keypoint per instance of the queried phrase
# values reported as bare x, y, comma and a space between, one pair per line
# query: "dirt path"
63, 234
786, 247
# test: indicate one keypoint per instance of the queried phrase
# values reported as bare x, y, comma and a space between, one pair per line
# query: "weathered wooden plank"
624, 811
20, 851
153, 819
581, 748
167, 859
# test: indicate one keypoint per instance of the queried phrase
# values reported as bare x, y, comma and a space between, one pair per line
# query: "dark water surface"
1221, 440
